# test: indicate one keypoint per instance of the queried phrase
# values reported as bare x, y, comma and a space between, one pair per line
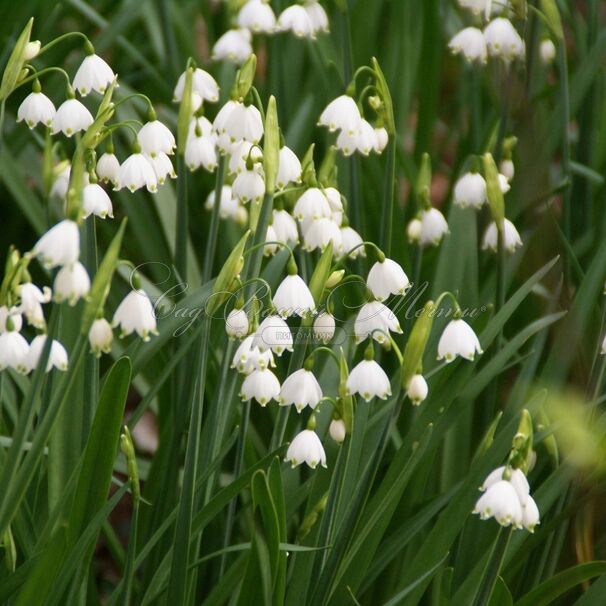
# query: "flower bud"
31, 50
417, 389
337, 430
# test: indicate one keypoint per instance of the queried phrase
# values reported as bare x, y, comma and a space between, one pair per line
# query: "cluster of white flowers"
507, 499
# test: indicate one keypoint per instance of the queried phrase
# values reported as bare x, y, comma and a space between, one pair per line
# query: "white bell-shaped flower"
242, 152
458, 339
317, 14
61, 183
547, 51
15, 317
504, 184
136, 172
387, 278
369, 380
100, 337
95, 201
470, 190
72, 117
289, 168
271, 242
362, 140
320, 233
228, 205
32, 48
511, 237
306, 447
136, 314
503, 41
381, 139
163, 167
31, 301
60, 245
273, 333
433, 227
507, 169
202, 83
337, 430
297, 20
333, 196
234, 45
107, 168
71, 283
324, 327
261, 385
530, 515
500, 502
93, 74
341, 113
249, 186
414, 229
257, 16
201, 151
243, 123
57, 357
417, 389
351, 242
293, 297
248, 357
36, 108
485, 7
375, 320
236, 324
470, 43
312, 204
155, 137
13, 351
285, 227
515, 476
302, 389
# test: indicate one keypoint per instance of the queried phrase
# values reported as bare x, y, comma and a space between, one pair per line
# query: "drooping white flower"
458, 339
515, 476
236, 324
479, 7
387, 278
155, 137
200, 126
57, 356
273, 333
202, 83
320, 233
414, 229
317, 14
242, 152
136, 314
136, 172
333, 196
297, 20
337, 430
248, 357
289, 168
71, 283
61, 183
362, 140
93, 74
306, 448
100, 337
163, 167
201, 151
503, 41
249, 186
381, 139
228, 205
243, 123
530, 515
433, 227
511, 237
271, 246
107, 168
547, 50
507, 169
262, 385
14, 315
95, 201
293, 297
257, 16
71, 117
500, 502
341, 113
302, 389
36, 108
234, 45
417, 389
285, 227
60, 245
312, 204
369, 380
504, 184
375, 320
13, 351
32, 48
470, 43
31, 299
324, 327
351, 240
470, 190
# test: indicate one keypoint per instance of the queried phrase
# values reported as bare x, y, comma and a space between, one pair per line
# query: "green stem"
60, 39
211, 243
493, 567
388, 199
182, 220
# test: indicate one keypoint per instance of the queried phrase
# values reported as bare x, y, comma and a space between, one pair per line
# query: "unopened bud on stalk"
128, 449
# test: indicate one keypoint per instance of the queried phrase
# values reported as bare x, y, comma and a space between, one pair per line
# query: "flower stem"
388, 199
182, 220
211, 243
493, 567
